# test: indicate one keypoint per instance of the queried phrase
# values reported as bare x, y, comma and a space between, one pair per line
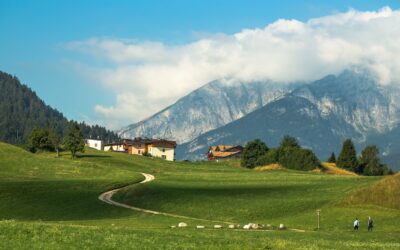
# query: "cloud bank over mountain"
147, 76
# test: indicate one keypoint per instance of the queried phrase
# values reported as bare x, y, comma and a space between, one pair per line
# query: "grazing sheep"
182, 224
217, 226
200, 227
231, 226
282, 227
254, 226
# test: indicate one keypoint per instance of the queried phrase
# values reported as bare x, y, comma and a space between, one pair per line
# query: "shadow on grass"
93, 156
57, 200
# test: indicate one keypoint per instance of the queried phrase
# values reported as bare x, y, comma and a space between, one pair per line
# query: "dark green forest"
21, 110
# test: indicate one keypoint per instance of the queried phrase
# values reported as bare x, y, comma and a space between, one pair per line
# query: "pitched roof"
225, 154
155, 142
223, 151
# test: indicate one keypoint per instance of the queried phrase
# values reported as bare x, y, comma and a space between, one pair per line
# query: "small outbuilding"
96, 144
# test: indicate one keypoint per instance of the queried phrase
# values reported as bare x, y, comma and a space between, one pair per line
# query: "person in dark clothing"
370, 223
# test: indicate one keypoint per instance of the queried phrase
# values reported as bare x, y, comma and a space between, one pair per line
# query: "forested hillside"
21, 110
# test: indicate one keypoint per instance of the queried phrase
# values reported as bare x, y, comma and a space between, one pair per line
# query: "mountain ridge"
21, 110
349, 105
211, 106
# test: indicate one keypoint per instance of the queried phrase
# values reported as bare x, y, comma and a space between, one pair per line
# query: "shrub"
270, 157
298, 158
289, 142
252, 152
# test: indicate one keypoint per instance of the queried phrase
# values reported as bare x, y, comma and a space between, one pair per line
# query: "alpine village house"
139, 146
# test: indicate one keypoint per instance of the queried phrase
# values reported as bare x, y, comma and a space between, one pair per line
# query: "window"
163, 149
138, 151
164, 157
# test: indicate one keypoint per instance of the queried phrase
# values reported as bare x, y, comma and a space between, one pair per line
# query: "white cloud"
148, 76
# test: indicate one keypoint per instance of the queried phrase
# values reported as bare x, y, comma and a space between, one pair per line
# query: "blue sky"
35, 36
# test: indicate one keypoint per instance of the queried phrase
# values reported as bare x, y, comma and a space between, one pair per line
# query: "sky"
117, 62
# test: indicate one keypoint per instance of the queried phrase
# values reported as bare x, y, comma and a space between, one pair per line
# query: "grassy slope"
46, 188
331, 168
53, 204
384, 193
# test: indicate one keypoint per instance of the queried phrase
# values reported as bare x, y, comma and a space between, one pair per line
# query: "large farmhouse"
155, 147
223, 152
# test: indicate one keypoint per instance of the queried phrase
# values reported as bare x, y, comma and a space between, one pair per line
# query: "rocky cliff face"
357, 98
212, 106
320, 114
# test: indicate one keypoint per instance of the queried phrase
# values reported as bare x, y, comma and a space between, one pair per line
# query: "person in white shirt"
356, 224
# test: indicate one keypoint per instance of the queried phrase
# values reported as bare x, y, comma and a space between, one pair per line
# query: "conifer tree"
348, 157
332, 158
370, 163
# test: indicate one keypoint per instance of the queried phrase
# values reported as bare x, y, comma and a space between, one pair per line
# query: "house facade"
116, 147
96, 144
155, 147
224, 152
139, 146
121, 146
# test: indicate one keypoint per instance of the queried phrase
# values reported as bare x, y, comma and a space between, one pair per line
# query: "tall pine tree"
370, 163
348, 157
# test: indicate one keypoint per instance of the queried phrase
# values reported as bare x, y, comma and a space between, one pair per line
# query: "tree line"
291, 155
46, 139
21, 111
368, 163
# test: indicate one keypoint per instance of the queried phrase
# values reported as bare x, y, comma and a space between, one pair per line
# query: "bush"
289, 142
147, 154
270, 157
298, 158
252, 153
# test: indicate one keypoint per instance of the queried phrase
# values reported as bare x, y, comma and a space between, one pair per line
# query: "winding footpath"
107, 198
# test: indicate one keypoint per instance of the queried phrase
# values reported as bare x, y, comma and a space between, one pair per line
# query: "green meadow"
52, 203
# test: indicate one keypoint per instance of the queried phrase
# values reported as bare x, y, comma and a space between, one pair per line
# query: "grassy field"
51, 203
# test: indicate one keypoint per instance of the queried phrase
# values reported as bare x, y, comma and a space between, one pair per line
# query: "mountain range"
320, 114
209, 107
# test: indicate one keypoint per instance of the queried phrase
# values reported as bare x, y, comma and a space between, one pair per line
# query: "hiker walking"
356, 224
370, 223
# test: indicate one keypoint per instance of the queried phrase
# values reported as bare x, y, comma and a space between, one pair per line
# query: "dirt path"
107, 198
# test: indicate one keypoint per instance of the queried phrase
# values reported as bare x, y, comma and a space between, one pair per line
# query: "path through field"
107, 198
